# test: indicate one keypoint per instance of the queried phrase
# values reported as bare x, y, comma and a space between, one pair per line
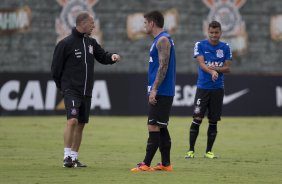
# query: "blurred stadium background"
30, 29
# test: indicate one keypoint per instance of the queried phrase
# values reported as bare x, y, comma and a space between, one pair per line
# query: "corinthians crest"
233, 27
219, 53
66, 21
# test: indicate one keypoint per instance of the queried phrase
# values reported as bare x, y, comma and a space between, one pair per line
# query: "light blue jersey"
214, 55
167, 87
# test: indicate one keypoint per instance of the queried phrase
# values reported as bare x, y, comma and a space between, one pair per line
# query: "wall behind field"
30, 49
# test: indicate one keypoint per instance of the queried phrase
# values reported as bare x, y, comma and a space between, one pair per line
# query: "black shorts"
211, 100
77, 106
159, 113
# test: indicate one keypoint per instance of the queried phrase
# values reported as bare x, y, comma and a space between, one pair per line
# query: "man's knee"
72, 121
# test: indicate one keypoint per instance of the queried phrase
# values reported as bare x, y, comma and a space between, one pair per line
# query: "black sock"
212, 132
165, 146
152, 147
194, 131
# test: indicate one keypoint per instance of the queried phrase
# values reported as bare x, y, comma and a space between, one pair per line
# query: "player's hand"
152, 97
115, 57
214, 75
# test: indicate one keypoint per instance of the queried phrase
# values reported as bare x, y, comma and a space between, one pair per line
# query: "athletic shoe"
77, 163
189, 154
210, 155
68, 162
141, 167
161, 167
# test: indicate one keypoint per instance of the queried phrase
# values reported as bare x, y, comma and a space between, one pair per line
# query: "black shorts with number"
77, 106
159, 113
211, 100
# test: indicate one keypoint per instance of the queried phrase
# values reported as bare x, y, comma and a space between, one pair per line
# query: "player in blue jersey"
214, 59
161, 88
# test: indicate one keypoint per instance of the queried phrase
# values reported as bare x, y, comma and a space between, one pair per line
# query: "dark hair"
215, 24
82, 16
155, 16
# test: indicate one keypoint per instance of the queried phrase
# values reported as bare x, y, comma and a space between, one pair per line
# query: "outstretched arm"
163, 46
103, 56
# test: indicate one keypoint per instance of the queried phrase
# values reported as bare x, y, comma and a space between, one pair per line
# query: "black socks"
152, 146
212, 132
165, 146
194, 131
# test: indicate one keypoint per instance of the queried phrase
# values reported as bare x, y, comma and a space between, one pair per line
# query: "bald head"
81, 17
85, 22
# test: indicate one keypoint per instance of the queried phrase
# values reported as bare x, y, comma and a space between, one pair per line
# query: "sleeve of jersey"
228, 52
197, 50
101, 55
58, 63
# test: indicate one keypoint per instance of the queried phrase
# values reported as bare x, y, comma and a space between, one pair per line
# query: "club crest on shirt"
197, 110
219, 53
66, 21
90, 49
73, 111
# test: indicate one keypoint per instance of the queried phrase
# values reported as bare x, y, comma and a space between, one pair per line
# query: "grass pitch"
31, 151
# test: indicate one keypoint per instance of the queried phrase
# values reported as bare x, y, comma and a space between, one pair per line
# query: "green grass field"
31, 151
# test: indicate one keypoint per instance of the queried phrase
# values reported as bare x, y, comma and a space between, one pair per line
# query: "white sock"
74, 155
67, 152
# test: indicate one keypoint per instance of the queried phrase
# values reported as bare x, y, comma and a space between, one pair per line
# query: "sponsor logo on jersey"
214, 63
90, 49
77, 53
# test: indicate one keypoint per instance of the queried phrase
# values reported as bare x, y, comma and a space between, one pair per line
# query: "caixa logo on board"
14, 96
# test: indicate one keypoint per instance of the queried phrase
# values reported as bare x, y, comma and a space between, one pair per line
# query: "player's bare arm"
224, 69
163, 47
207, 69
